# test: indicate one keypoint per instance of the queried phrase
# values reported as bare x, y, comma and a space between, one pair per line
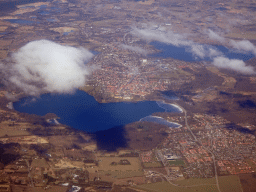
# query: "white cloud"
159, 35
199, 50
243, 45
212, 52
45, 66
215, 36
234, 64
169, 37
204, 51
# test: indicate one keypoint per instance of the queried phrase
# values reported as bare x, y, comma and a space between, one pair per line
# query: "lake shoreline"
161, 118
88, 117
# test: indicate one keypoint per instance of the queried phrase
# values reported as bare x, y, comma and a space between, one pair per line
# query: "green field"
177, 162
227, 184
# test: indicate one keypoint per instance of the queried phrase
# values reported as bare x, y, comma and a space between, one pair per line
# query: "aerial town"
212, 149
202, 147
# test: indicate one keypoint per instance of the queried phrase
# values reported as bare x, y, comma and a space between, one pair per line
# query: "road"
213, 157
29, 175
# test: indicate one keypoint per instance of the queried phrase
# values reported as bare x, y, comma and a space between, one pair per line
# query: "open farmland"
167, 187
123, 174
177, 162
194, 182
19, 188
112, 166
227, 184
230, 184
105, 164
13, 129
248, 182
152, 164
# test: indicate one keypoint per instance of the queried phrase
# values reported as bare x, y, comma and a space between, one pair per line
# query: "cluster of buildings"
232, 149
234, 168
123, 84
146, 157
227, 149
125, 76
218, 146
194, 154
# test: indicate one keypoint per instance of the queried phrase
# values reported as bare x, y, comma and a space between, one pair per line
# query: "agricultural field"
119, 167
177, 162
194, 181
39, 163
13, 129
248, 182
167, 187
246, 35
19, 188
113, 164
227, 184
230, 184
122, 174
152, 164
66, 163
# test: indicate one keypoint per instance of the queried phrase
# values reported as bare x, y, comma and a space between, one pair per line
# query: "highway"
29, 174
213, 157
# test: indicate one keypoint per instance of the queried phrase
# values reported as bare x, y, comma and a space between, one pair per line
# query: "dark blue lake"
184, 53
82, 111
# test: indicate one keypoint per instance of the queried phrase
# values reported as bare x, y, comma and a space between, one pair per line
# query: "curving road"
213, 157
